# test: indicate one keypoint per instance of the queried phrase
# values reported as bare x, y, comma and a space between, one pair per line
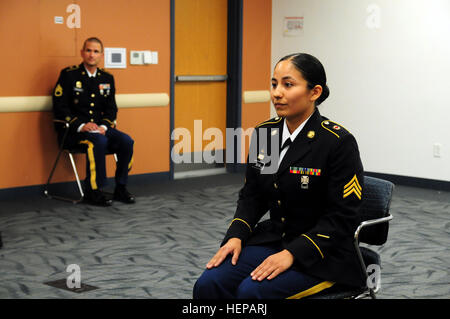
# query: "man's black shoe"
123, 195
96, 197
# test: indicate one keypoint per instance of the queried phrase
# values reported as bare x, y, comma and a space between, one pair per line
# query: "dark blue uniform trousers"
98, 146
228, 282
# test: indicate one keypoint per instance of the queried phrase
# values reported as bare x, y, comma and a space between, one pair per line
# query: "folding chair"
70, 153
373, 230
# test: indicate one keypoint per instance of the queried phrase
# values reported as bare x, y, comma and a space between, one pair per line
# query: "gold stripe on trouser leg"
130, 164
91, 158
313, 290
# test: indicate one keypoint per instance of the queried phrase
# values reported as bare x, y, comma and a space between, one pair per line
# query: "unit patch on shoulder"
335, 128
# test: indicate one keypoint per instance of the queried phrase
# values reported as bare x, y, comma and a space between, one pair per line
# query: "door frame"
234, 76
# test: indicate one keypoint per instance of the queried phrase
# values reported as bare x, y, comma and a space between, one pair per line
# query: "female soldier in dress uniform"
313, 198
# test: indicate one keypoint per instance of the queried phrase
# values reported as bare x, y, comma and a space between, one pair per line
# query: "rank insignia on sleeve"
353, 187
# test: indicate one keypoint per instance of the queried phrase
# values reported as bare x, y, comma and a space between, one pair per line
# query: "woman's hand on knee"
273, 265
233, 246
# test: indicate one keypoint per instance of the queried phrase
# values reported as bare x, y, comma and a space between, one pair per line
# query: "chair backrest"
377, 195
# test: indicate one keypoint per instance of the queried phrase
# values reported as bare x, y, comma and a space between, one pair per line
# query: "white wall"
390, 86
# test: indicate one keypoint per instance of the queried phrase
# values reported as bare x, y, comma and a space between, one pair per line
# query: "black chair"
373, 230
64, 127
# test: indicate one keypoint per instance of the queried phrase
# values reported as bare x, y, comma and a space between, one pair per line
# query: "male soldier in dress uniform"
84, 97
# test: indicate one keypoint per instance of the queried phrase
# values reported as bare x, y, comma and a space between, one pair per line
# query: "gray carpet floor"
158, 247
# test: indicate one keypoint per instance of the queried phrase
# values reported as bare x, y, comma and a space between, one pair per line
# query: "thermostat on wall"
116, 58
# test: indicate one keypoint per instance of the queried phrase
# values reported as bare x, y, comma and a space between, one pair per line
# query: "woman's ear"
316, 92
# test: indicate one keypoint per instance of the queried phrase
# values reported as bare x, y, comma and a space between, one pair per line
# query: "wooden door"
200, 50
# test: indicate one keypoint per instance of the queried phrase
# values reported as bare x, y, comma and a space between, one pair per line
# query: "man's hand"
233, 246
101, 130
273, 265
89, 127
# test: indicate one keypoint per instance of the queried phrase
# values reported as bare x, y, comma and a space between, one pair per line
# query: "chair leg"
80, 189
51, 173
76, 175
363, 267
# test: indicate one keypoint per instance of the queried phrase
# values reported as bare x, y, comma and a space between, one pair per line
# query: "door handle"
201, 78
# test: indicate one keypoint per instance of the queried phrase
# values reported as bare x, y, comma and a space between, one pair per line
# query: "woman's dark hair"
312, 71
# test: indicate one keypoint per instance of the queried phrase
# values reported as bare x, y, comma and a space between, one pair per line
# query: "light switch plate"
154, 57
147, 56
136, 57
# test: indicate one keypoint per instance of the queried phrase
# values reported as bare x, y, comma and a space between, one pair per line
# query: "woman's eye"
288, 84
274, 85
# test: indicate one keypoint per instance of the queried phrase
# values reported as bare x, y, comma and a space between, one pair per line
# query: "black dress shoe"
96, 197
123, 195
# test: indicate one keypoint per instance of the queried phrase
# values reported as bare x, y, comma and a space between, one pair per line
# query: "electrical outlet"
437, 150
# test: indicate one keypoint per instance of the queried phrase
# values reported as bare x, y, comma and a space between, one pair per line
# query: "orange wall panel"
256, 58
256, 61
55, 39
150, 129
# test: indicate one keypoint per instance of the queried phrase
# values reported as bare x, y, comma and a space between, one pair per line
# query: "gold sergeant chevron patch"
353, 187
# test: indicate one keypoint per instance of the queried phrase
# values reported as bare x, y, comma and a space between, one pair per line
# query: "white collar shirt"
286, 135
91, 75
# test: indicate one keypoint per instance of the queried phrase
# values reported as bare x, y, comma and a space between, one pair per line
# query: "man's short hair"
93, 39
